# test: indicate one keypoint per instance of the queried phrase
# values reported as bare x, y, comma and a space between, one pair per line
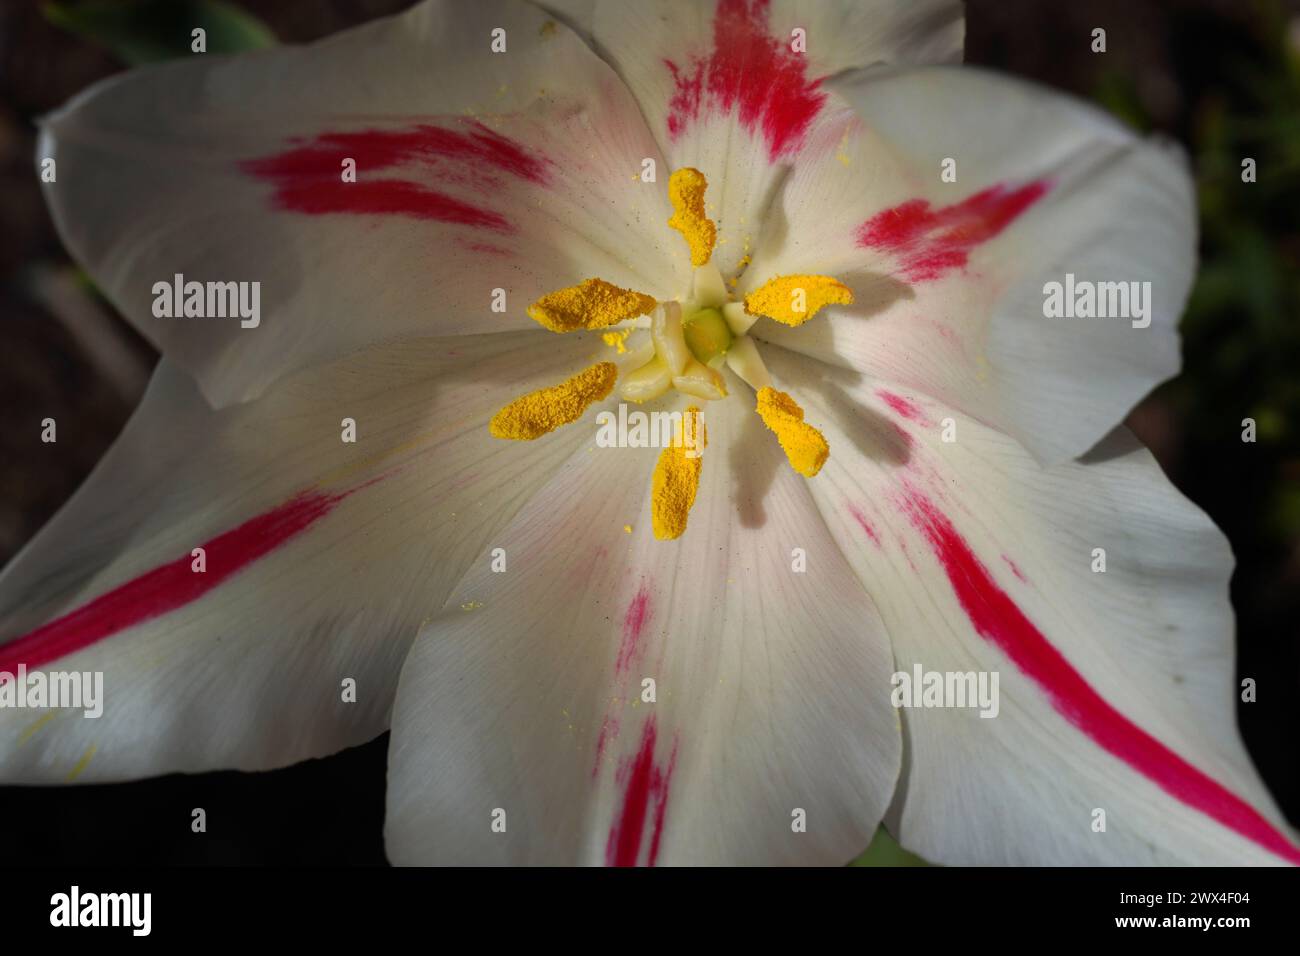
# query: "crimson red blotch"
308, 180
752, 72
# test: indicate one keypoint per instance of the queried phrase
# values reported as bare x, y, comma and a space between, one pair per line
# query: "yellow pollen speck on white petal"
82, 764
804, 446
616, 339
686, 191
537, 413
677, 477
592, 304
793, 300
31, 730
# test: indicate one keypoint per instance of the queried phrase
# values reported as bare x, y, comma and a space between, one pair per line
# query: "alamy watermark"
208, 300
1084, 299
638, 429
922, 688
133, 911
76, 690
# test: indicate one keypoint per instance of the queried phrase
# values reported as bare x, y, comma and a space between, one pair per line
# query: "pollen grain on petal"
686, 191
793, 300
677, 477
617, 340
537, 413
804, 446
592, 304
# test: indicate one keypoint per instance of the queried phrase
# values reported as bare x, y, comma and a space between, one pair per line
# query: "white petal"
724, 91
475, 171
949, 276
1116, 688
320, 558
765, 707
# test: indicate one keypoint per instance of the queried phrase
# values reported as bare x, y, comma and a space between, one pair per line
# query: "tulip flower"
801, 226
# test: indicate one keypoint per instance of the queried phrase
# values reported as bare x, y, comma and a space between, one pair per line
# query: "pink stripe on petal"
473, 158
929, 243
908, 409
864, 524
388, 197
169, 586
751, 72
998, 619
647, 785
634, 622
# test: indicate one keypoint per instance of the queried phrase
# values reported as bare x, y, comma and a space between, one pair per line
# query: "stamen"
686, 191
649, 381
793, 300
737, 318
677, 477
592, 304
744, 360
701, 381
670, 342
537, 413
638, 348
707, 288
804, 446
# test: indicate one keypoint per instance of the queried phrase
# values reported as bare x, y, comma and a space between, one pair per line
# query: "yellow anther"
793, 300
804, 445
592, 304
677, 477
616, 339
686, 191
542, 411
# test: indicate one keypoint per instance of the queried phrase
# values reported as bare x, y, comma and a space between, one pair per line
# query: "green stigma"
707, 336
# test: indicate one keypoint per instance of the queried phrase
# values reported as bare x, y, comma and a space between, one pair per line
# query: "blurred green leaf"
146, 31
1118, 94
885, 852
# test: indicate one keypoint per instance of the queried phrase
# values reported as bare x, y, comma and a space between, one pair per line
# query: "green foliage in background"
1241, 329
146, 31
885, 852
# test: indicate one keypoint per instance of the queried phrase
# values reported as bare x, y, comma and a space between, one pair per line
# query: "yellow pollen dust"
592, 304
804, 445
677, 478
686, 191
542, 411
616, 339
793, 300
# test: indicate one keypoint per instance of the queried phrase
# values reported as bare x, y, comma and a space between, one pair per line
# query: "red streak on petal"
931, 242
634, 622
752, 72
998, 619
1015, 569
908, 409
864, 524
308, 177
388, 197
486, 248
169, 586
647, 785
608, 732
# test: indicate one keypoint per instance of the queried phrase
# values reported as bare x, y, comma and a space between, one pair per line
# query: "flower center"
684, 345
707, 336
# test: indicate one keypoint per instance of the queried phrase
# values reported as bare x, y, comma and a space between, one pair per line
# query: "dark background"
1220, 76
